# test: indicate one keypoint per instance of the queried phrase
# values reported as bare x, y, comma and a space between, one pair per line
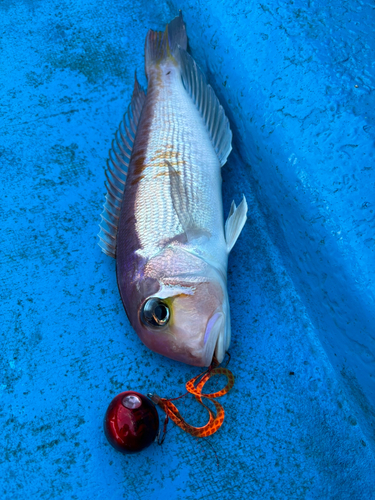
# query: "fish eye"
155, 312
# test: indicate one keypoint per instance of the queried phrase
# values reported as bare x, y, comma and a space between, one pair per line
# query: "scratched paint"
298, 420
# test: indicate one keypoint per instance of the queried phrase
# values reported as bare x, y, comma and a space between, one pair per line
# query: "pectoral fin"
180, 200
235, 222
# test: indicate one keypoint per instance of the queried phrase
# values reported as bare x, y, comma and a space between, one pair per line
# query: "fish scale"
172, 134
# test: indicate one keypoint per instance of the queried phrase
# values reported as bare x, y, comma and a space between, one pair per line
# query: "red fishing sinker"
131, 422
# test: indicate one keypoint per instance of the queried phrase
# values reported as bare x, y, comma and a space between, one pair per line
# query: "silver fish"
163, 216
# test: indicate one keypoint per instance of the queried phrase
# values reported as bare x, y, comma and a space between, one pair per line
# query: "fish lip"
214, 325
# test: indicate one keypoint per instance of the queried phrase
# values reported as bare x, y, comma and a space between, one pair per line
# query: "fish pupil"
161, 313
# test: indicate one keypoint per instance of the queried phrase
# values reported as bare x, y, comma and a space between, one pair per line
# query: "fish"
163, 217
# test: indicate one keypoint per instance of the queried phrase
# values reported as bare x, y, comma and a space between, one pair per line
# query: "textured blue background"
297, 81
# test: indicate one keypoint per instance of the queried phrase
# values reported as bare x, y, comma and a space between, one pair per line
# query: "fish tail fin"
161, 45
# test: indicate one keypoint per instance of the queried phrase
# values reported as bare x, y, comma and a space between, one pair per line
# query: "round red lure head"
131, 422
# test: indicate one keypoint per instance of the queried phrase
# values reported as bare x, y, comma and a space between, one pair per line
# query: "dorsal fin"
208, 105
117, 169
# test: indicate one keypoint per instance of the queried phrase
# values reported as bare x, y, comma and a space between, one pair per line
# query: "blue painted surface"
301, 278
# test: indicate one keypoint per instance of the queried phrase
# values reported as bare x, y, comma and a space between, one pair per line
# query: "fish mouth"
214, 338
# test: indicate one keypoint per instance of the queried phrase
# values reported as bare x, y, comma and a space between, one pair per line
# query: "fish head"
184, 321
182, 309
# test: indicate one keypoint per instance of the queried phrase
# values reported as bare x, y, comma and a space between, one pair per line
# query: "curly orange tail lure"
195, 386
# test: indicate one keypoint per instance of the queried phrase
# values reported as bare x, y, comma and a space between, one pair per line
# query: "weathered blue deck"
297, 83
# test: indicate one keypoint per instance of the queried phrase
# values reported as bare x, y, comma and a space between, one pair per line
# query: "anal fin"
235, 222
117, 169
